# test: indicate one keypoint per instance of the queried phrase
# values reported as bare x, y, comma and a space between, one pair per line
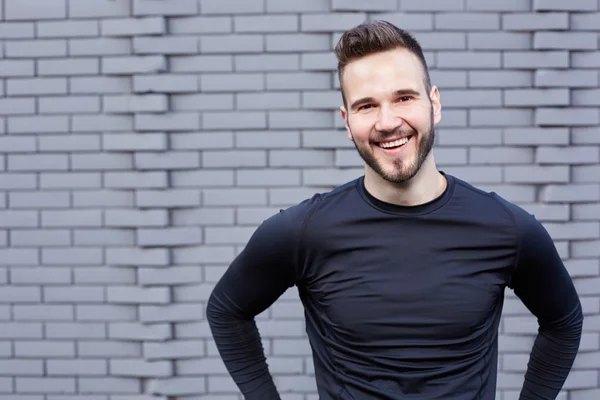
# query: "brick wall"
143, 141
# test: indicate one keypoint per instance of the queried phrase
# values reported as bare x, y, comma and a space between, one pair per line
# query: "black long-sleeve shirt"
401, 302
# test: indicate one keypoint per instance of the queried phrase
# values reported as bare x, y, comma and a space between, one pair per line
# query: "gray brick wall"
144, 140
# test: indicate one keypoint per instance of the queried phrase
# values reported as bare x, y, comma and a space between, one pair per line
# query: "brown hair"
375, 37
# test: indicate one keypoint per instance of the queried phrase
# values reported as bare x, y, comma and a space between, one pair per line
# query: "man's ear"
434, 95
344, 114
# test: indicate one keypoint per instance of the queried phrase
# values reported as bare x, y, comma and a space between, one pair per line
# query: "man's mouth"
395, 143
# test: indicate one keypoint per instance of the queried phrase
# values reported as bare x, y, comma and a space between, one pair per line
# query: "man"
402, 271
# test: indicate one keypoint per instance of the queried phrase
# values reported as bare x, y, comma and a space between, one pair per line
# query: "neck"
425, 186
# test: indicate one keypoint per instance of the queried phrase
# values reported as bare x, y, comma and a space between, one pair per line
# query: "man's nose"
387, 120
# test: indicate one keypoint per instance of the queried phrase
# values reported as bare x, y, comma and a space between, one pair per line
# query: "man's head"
389, 106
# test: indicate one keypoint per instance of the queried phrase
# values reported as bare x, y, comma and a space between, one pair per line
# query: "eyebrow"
401, 92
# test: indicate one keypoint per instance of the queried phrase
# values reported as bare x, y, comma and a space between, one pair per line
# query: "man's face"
390, 116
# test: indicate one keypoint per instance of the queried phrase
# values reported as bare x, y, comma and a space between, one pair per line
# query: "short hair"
376, 37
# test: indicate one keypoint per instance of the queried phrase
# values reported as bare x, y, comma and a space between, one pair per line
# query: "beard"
401, 171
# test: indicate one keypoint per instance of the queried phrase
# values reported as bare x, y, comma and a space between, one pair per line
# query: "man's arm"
257, 277
543, 284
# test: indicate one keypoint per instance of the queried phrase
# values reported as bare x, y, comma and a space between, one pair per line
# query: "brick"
318, 61
133, 104
431, 5
13, 68
586, 212
585, 97
15, 294
22, 367
587, 173
21, 330
182, 121
137, 295
201, 178
491, 5
412, 21
18, 219
334, 22
28, 199
201, 141
233, 158
204, 102
72, 256
101, 161
276, 6
556, 5
500, 79
179, 386
581, 21
586, 135
264, 23
315, 100
500, 117
500, 155
572, 193
137, 331
267, 62
363, 5
106, 385
468, 60
565, 40
536, 136
267, 178
47, 349
171, 313
45, 385
298, 80
35, 124
535, 21
536, 97
133, 26
135, 218
554, 78
170, 276
35, 48
165, 83
133, 142
234, 120
586, 248
32, 10
243, 43
200, 25
573, 230
71, 218
328, 177
499, 40
536, 174
102, 198
68, 294
227, 235
100, 85
76, 367
467, 21
166, 8
300, 119
106, 237
249, 197
105, 275
106, 123
203, 216
70, 180
17, 145
165, 45
169, 237
38, 162
103, 312
301, 158
284, 197
41, 276
472, 98
180, 349
102, 47
567, 116
136, 180
168, 160
292, 42
68, 105
233, 82
75, 330
65, 29
203, 63
17, 30
548, 212
141, 368
133, 65
36, 86
94, 9
17, 106
535, 59
567, 155
17, 180
171, 198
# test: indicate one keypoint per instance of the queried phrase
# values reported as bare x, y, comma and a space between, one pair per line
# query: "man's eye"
405, 98
364, 107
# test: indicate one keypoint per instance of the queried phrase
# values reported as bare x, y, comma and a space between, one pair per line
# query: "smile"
395, 143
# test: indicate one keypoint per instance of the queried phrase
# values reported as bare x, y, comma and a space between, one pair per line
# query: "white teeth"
398, 142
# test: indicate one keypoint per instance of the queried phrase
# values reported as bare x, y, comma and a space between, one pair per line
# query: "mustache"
397, 132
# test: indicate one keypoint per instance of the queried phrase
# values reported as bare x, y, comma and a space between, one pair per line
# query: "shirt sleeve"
256, 278
545, 287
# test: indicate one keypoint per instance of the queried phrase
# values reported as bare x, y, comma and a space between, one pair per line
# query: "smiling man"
401, 271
